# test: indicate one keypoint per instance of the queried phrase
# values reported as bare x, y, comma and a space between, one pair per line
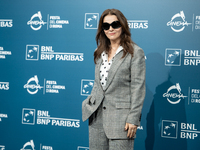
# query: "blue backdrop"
47, 70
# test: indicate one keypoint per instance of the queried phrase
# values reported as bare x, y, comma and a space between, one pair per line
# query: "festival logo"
28, 146
6, 23
169, 129
3, 53
197, 22
194, 96
32, 85
36, 21
86, 87
174, 94
138, 24
3, 116
44, 147
178, 22
50, 86
172, 57
91, 20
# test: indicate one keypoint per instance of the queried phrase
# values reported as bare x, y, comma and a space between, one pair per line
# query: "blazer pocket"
92, 100
123, 105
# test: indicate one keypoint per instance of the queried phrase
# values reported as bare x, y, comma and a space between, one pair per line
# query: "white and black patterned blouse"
105, 66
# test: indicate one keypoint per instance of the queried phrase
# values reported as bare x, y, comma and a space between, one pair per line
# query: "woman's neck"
114, 45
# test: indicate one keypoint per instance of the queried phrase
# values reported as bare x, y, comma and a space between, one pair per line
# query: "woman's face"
112, 34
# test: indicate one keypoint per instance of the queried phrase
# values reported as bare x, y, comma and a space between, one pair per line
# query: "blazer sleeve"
138, 88
86, 109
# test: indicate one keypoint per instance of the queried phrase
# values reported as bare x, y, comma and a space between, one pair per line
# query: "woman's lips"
111, 34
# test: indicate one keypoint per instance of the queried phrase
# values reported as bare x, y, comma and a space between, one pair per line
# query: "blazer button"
104, 107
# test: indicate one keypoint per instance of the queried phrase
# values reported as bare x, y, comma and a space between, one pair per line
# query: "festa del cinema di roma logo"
36, 22
50, 86
178, 22
32, 85
31, 146
174, 94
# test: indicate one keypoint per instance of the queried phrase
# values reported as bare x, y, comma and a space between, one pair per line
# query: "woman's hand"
131, 130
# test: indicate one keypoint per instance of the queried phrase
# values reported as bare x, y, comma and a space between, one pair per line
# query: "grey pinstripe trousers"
98, 139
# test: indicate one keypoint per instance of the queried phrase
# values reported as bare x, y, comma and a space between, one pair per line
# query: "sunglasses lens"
116, 24
105, 26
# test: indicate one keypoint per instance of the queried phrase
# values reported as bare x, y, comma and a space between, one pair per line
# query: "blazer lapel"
113, 69
97, 71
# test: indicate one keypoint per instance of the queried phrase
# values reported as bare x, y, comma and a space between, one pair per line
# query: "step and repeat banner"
47, 70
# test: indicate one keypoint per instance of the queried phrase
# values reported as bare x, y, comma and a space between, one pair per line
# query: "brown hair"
103, 43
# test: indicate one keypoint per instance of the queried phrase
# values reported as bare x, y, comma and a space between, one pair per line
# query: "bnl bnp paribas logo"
2, 147
29, 117
86, 87
36, 22
50, 86
91, 20
190, 57
178, 22
6, 23
174, 94
170, 129
48, 53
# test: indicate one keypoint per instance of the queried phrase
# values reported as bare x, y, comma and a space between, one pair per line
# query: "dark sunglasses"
114, 24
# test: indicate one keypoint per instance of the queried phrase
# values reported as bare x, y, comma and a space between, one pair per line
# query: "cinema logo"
3, 116
47, 53
50, 86
43, 118
174, 94
178, 22
6, 23
4, 86
4, 53
138, 24
170, 129
32, 85
36, 21
31, 146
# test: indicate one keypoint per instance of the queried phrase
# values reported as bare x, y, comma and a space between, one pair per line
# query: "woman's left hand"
131, 130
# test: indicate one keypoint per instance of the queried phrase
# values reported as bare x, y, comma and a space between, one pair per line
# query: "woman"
115, 104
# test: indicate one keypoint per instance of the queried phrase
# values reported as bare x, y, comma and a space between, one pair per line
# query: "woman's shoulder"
136, 48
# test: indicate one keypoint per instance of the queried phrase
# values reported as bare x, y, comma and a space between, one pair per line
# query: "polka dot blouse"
105, 66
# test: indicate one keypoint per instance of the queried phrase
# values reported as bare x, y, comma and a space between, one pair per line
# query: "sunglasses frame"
111, 24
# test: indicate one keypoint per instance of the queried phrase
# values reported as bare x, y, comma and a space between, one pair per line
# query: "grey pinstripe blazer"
122, 96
